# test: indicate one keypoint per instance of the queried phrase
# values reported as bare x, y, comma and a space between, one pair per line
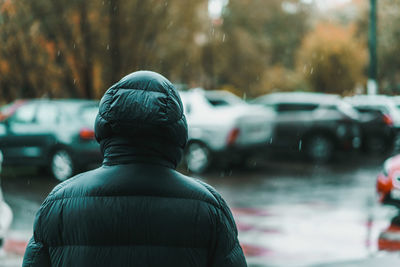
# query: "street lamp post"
372, 85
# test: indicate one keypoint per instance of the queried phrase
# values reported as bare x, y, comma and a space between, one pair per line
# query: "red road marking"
243, 227
251, 211
251, 250
15, 246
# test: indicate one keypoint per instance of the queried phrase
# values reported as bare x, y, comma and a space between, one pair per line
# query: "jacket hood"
141, 119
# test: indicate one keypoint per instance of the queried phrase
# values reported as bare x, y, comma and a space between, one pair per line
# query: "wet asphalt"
289, 212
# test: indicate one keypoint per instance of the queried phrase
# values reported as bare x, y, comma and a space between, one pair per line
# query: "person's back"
136, 210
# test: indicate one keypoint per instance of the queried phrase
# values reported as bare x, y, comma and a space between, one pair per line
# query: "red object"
232, 136
387, 119
86, 134
383, 186
389, 240
387, 181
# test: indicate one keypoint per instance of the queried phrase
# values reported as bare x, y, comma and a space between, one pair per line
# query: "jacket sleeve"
226, 250
37, 253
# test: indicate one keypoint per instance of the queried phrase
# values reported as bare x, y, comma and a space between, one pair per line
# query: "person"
136, 209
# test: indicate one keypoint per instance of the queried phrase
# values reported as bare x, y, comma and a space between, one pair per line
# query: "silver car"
224, 129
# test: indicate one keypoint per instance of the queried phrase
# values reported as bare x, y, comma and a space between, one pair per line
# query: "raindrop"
74, 81
312, 70
108, 47
300, 143
58, 53
270, 140
74, 45
304, 68
223, 38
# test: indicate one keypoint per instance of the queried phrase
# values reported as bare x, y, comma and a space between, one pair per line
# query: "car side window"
24, 114
289, 107
47, 114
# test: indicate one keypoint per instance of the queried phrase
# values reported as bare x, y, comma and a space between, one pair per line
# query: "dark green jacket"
136, 210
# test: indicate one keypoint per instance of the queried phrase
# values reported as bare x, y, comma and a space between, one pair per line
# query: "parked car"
385, 104
56, 135
222, 132
378, 131
5, 212
388, 182
396, 100
223, 98
318, 124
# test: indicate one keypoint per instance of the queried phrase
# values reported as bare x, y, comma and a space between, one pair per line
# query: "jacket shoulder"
65, 188
203, 190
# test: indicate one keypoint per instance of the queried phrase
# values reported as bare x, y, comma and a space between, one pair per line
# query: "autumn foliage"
78, 48
331, 59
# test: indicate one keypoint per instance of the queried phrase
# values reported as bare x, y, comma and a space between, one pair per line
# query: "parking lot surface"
289, 212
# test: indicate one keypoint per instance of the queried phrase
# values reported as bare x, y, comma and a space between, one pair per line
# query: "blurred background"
292, 110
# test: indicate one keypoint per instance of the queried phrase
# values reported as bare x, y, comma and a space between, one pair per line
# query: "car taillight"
387, 119
232, 136
384, 184
86, 134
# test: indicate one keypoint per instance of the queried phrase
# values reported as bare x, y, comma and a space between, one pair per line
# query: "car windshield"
88, 113
84, 111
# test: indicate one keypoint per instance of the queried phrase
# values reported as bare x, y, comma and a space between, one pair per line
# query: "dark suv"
318, 124
56, 135
380, 118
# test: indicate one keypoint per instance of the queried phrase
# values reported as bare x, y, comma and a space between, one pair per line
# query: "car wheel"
61, 165
320, 148
197, 158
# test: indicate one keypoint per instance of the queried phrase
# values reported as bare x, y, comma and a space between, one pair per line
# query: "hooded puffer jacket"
136, 210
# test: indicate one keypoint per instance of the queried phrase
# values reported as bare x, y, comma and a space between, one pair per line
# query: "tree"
256, 37
388, 36
78, 48
331, 59
388, 46
22, 55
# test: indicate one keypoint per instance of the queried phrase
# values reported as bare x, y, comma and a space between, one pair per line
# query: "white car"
223, 129
5, 212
